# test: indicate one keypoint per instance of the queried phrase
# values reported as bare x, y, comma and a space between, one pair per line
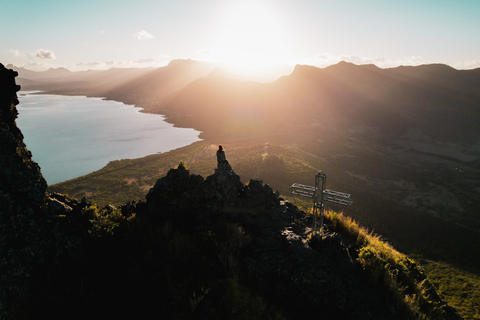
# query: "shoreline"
128, 141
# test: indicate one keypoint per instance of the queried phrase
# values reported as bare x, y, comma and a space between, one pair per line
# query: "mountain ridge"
253, 246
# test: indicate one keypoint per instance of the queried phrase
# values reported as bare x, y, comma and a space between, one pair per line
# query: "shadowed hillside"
364, 101
162, 82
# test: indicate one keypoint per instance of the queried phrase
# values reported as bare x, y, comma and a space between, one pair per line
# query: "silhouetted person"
221, 159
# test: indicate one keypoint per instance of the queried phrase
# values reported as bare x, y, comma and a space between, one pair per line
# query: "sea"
71, 136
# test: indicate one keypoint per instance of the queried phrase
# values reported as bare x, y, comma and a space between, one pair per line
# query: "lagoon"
70, 136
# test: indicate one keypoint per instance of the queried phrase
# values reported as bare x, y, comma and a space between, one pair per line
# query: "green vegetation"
149, 265
386, 266
128, 180
461, 289
125, 180
202, 276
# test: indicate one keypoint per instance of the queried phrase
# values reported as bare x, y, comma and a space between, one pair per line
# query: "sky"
249, 37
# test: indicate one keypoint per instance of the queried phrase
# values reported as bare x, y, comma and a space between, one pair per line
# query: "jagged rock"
17, 170
22, 193
55, 207
30, 241
131, 208
177, 191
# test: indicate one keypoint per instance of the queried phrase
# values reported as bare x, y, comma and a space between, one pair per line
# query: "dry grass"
399, 274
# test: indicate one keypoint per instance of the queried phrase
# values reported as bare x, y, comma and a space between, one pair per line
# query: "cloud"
143, 35
145, 61
92, 64
17, 53
45, 54
160, 61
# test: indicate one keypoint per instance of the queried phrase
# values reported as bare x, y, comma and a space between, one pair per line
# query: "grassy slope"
125, 180
461, 289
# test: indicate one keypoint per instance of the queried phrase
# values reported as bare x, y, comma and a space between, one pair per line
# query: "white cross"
320, 195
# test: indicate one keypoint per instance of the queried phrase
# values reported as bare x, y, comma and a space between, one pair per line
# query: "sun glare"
251, 39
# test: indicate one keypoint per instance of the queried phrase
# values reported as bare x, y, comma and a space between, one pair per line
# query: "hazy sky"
94, 34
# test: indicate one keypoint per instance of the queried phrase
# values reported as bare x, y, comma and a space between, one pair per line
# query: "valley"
404, 142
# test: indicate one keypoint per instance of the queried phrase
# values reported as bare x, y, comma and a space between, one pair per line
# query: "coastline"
125, 135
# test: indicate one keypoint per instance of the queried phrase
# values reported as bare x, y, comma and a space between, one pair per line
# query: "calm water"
70, 136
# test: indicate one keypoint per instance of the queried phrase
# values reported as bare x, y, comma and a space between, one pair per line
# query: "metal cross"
320, 195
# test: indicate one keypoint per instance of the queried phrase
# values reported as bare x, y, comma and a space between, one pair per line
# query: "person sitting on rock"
221, 159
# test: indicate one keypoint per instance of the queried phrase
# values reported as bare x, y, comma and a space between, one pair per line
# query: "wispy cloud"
17, 53
45, 54
92, 64
145, 61
160, 61
143, 35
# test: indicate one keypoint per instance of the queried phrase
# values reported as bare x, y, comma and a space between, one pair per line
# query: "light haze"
250, 37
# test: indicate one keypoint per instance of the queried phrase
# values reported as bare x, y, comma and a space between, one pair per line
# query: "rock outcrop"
17, 172
280, 264
32, 240
22, 194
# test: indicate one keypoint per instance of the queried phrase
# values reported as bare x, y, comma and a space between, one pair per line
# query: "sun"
251, 38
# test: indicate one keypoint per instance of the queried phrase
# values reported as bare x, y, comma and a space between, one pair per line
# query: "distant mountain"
124, 84
220, 105
435, 100
161, 82
430, 100
47, 74
90, 83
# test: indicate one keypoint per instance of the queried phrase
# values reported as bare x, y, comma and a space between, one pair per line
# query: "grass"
460, 288
401, 275
125, 180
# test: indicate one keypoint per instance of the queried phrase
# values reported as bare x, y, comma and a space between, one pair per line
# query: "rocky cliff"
22, 194
34, 243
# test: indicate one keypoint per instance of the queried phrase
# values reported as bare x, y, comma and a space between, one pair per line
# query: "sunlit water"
70, 136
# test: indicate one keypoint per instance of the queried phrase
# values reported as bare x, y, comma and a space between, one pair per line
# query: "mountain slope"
162, 82
390, 101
